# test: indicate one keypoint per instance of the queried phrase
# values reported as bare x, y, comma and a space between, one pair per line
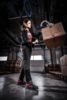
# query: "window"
37, 57
3, 58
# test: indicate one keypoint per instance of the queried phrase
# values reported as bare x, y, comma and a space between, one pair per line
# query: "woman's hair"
24, 21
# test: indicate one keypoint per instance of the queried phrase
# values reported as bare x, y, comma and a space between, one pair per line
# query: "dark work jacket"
28, 43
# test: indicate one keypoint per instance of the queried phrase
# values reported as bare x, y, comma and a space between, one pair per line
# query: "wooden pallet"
59, 74
10, 72
1, 73
5, 72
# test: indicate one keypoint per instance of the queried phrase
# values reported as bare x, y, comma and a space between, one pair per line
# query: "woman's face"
28, 24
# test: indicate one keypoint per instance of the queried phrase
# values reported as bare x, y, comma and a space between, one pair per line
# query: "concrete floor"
50, 88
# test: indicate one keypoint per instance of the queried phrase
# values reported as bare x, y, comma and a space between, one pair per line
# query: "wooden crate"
13, 62
12, 65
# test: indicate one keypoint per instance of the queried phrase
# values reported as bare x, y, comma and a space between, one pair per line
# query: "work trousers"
25, 70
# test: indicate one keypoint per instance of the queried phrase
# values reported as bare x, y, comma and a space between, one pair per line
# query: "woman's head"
26, 23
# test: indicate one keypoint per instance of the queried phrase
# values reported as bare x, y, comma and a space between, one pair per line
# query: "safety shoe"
20, 82
30, 85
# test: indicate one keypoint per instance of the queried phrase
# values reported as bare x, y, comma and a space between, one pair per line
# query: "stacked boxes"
13, 66
54, 35
63, 62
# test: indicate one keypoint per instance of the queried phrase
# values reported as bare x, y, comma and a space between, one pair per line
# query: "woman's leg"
29, 84
27, 55
22, 73
26, 65
21, 77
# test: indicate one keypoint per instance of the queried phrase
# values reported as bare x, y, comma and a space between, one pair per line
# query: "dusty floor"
50, 88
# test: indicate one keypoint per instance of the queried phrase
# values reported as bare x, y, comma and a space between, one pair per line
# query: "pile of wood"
13, 66
55, 67
59, 74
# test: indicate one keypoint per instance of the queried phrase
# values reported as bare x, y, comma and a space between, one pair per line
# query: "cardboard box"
63, 60
64, 70
54, 35
63, 63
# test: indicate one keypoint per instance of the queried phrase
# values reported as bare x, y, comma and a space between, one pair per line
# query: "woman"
27, 49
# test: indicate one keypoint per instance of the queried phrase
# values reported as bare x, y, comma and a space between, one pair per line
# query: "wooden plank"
55, 72
59, 74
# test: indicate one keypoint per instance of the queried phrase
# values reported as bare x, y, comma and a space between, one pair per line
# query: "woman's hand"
36, 41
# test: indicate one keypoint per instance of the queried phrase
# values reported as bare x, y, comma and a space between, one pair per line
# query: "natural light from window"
3, 58
37, 57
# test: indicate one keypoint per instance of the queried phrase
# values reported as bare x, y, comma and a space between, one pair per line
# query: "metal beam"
7, 37
26, 16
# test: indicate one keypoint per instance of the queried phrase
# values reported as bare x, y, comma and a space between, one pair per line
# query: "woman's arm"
37, 36
26, 41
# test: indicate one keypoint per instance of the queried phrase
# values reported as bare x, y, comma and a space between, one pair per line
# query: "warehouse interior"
46, 67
